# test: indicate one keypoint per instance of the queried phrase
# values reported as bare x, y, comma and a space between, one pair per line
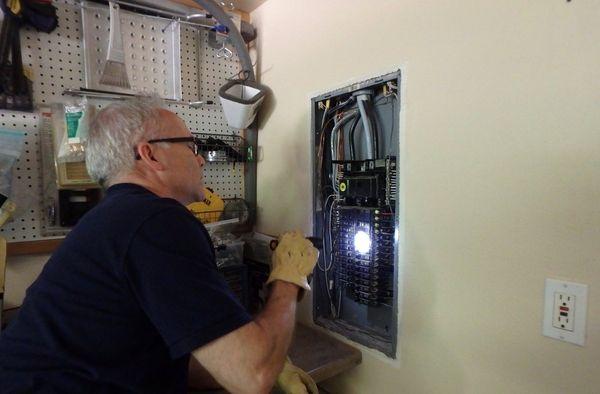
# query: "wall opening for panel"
356, 133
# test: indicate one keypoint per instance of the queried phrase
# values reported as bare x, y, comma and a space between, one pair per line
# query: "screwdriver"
316, 241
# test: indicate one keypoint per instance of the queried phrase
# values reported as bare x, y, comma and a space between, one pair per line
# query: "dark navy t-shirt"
120, 305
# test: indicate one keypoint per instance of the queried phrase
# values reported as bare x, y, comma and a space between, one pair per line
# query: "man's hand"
293, 260
293, 380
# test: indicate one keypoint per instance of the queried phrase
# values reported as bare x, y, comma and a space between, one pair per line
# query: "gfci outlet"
565, 307
564, 311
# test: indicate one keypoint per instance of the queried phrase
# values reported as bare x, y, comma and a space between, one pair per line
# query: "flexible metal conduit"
236, 38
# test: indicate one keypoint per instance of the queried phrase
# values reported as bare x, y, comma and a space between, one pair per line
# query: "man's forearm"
249, 359
199, 378
278, 319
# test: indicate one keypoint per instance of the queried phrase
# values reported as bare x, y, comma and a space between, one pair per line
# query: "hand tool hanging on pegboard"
15, 87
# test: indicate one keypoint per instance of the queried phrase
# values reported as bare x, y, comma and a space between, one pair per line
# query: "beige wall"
500, 176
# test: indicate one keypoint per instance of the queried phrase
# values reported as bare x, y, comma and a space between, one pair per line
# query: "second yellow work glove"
293, 260
293, 380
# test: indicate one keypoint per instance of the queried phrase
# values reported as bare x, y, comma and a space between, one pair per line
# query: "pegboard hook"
224, 51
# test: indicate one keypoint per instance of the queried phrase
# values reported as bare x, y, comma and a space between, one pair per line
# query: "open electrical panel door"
355, 131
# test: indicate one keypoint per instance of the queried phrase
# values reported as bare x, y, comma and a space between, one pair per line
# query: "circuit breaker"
355, 131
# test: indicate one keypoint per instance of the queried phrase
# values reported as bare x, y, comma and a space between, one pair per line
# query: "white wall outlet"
563, 311
565, 308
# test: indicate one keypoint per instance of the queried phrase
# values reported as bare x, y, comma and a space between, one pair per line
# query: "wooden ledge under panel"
320, 355
46, 246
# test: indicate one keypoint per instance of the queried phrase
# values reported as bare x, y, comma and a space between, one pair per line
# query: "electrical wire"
335, 147
328, 254
351, 137
320, 152
342, 104
334, 313
325, 112
325, 226
340, 123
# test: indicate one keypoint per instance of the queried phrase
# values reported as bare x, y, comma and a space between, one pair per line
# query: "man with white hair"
132, 298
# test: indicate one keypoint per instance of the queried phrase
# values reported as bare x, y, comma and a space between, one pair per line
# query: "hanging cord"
241, 75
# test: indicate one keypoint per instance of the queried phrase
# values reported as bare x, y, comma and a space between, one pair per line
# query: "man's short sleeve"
170, 268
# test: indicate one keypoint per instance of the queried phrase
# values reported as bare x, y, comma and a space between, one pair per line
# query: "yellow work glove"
2, 264
293, 260
6, 210
15, 6
293, 380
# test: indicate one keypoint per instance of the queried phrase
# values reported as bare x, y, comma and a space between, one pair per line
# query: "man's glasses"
193, 143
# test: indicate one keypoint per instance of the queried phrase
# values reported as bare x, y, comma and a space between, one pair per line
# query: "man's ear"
146, 156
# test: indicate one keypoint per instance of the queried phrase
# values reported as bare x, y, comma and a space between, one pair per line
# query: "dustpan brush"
115, 71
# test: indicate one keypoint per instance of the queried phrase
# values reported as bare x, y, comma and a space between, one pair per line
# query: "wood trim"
32, 247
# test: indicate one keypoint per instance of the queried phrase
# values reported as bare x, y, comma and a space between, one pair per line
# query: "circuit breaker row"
365, 273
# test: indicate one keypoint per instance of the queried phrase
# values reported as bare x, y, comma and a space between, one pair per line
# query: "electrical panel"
355, 130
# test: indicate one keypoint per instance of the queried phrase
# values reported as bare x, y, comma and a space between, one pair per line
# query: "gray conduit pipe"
366, 125
236, 38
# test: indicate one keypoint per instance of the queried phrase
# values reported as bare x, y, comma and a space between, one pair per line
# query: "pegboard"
56, 62
152, 47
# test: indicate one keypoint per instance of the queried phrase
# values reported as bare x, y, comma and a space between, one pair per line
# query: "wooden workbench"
320, 355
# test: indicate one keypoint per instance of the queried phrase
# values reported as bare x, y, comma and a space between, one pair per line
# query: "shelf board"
32, 247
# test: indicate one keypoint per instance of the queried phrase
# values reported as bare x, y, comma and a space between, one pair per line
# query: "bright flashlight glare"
362, 242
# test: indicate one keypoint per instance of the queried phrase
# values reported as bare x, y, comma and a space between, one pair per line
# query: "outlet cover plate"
578, 315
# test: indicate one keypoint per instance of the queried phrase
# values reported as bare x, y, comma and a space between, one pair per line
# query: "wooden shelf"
320, 355
32, 247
